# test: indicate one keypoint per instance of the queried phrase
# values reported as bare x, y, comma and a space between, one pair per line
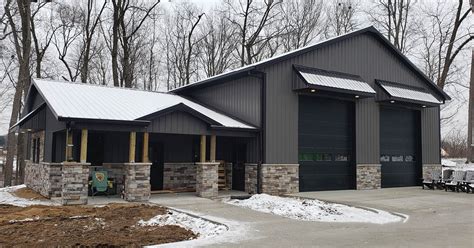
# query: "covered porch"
134, 141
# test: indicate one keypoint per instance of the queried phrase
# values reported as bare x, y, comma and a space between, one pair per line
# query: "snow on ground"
314, 210
456, 164
6, 197
203, 228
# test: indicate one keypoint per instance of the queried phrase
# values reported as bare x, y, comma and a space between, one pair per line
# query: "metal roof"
93, 102
370, 29
398, 91
334, 80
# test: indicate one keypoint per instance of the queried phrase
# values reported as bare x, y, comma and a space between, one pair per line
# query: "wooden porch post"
213, 148
69, 145
203, 149
145, 158
131, 152
84, 145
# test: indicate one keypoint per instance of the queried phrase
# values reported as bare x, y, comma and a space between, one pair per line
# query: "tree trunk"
470, 125
115, 38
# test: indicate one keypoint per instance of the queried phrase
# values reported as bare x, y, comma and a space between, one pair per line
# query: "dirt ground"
113, 225
28, 193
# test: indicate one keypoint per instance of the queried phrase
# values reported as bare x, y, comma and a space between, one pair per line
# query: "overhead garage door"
400, 141
326, 141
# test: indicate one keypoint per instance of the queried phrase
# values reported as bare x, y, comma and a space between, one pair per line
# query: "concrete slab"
437, 219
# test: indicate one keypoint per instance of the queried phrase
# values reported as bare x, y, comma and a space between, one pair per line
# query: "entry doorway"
156, 156
238, 166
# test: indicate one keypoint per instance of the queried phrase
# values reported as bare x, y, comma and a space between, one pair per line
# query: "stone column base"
137, 182
369, 176
429, 168
251, 178
75, 183
207, 178
280, 179
179, 176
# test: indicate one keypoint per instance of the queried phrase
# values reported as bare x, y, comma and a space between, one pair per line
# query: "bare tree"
41, 44
470, 123
181, 41
301, 23
251, 18
456, 41
70, 18
455, 144
89, 29
21, 37
218, 43
124, 30
341, 18
396, 19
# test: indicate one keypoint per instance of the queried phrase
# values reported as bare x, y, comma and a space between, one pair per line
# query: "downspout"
261, 158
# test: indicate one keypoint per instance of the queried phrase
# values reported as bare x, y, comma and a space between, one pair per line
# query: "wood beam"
145, 158
213, 148
84, 135
133, 143
203, 149
69, 145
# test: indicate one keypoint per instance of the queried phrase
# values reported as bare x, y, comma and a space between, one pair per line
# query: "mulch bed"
113, 225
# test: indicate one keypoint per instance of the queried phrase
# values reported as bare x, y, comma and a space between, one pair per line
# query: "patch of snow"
6, 197
314, 210
456, 164
24, 220
237, 231
203, 228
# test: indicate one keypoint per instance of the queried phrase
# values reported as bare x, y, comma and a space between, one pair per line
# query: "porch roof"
76, 101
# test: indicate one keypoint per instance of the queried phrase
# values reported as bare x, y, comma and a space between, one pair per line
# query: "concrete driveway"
436, 219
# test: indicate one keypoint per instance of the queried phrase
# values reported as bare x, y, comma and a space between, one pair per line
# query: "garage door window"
306, 157
341, 157
384, 158
322, 157
397, 158
409, 158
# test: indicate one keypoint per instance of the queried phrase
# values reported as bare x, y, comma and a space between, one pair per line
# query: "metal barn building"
351, 112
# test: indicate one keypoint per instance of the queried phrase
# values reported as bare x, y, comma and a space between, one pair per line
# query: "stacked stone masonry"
369, 176
207, 179
428, 169
75, 183
251, 178
228, 175
179, 176
280, 179
44, 178
117, 172
137, 182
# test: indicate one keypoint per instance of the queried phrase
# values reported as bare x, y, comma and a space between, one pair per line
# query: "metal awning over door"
331, 81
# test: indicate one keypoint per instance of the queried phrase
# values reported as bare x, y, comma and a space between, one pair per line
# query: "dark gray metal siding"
239, 98
178, 123
361, 55
52, 125
430, 136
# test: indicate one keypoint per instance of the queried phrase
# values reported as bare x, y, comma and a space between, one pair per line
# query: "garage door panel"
326, 130
400, 147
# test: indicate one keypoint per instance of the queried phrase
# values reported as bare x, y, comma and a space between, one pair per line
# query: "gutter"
263, 87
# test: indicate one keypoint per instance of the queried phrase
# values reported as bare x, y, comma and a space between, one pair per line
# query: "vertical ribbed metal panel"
239, 98
178, 123
360, 55
430, 135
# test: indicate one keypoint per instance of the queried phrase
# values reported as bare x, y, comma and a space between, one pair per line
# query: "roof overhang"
29, 115
395, 92
313, 79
